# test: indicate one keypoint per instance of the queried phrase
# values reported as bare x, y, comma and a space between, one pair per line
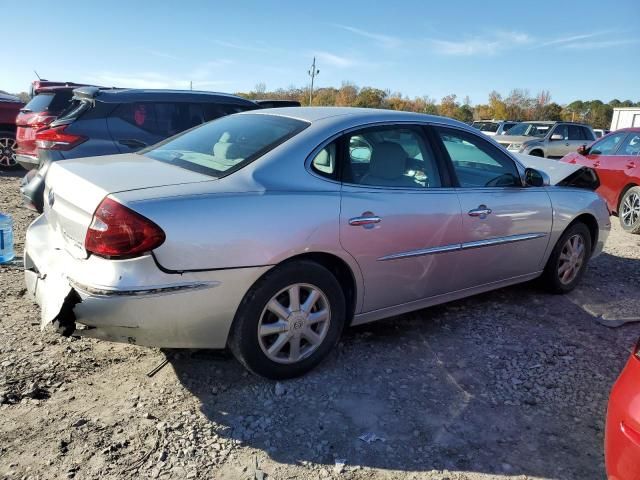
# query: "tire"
272, 354
8, 150
537, 153
553, 279
629, 211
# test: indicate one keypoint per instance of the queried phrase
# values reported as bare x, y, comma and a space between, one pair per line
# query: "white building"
625, 117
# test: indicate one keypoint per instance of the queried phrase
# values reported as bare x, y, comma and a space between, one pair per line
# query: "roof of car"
314, 114
123, 95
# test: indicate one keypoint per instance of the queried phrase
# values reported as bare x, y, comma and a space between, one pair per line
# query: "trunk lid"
75, 188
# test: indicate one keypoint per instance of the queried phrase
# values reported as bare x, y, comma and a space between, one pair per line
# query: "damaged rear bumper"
131, 300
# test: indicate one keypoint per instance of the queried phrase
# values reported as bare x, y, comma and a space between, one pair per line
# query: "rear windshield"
50, 102
223, 146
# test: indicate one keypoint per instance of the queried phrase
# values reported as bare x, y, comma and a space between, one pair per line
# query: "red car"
9, 108
616, 157
622, 435
50, 99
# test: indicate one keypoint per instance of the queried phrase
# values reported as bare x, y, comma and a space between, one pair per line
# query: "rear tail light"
57, 139
40, 121
118, 232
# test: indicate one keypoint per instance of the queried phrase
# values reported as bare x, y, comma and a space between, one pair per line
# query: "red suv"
616, 158
9, 108
50, 99
622, 437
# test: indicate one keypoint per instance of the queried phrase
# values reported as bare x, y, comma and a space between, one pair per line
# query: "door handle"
364, 221
482, 211
132, 143
566, 144
596, 164
631, 165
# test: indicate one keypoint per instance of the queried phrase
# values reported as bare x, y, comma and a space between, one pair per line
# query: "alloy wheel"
631, 210
294, 323
571, 259
7, 152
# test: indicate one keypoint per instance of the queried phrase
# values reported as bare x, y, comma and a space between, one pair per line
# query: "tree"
448, 106
346, 95
497, 107
370, 98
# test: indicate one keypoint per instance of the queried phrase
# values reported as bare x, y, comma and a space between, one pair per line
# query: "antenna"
37, 75
312, 73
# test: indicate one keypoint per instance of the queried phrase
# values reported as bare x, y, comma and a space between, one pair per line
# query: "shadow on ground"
510, 382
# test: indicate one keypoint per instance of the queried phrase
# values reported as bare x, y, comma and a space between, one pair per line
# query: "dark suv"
102, 121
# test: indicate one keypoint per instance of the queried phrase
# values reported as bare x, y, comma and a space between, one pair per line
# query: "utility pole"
191, 85
312, 73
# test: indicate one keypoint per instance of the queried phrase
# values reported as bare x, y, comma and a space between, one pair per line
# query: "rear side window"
588, 134
390, 157
39, 103
138, 114
225, 145
577, 133
476, 162
217, 110
631, 145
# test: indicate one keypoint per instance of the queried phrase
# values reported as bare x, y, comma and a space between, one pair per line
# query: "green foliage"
517, 105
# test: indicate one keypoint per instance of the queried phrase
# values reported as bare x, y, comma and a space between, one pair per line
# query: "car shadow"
511, 382
13, 173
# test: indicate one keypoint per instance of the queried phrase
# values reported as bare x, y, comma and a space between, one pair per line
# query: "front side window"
390, 157
476, 162
561, 130
608, 145
631, 145
225, 145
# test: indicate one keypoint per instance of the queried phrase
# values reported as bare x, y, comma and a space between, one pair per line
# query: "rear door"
134, 126
505, 226
619, 169
400, 218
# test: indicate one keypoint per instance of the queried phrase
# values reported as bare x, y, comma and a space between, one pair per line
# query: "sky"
575, 49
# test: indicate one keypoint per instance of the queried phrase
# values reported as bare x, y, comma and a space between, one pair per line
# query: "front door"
505, 226
619, 169
602, 157
399, 219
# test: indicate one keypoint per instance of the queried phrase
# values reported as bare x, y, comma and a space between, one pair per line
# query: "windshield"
529, 129
225, 145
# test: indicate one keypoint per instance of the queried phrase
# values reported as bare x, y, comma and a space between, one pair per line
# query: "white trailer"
625, 117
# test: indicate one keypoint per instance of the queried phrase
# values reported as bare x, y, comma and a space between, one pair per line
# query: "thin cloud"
480, 45
159, 54
592, 45
384, 40
569, 39
334, 60
247, 48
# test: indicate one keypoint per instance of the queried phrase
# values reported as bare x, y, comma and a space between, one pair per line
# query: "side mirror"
536, 178
583, 150
557, 136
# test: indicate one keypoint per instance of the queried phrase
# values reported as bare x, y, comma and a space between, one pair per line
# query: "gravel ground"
512, 383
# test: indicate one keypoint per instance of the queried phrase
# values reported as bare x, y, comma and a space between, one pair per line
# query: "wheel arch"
592, 224
537, 152
622, 194
341, 270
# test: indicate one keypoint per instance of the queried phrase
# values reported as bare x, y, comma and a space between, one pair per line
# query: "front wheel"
568, 260
629, 213
289, 321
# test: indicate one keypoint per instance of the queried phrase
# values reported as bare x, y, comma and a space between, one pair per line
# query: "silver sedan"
269, 232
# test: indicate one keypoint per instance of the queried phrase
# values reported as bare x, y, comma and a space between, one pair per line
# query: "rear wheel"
629, 211
289, 321
8, 150
568, 260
